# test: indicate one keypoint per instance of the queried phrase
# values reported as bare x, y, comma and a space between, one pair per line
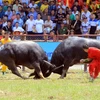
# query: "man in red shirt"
94, 65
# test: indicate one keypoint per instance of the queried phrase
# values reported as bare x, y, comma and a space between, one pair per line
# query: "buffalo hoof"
61, 78
37, 78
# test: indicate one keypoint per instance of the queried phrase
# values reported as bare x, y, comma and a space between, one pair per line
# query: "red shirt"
94, 53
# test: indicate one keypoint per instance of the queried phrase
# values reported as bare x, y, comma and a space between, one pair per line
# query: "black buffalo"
70, 52
26, 53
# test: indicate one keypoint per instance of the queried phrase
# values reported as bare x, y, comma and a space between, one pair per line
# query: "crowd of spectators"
48, 17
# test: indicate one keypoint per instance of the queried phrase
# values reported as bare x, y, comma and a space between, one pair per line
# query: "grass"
75, 86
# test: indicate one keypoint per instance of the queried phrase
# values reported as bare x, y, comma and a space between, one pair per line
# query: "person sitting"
63, 31
16, 35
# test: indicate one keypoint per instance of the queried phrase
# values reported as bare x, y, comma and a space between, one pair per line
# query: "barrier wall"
48, 47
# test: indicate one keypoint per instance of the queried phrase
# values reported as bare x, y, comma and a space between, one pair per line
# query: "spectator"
93, 6
9, 13
53, 18
18, 19
67, 10
5, 5
67, 21
19, 9
23, 16
17, 35
1, 12
13, 15
85, 27
4, 21
44, 5
30, 25
34, 13
17, 27
72, 17
16, 5
45, 14
62, 31
93, 24
60, 16
75, 11
39, 25
47, 27
85, 13
38, 10
26, 8
39, 3
8, 27
52, 6
76, 24
32, 4
62, 6
5, 40
76, 4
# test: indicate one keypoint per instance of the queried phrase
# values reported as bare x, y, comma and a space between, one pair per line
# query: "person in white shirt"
32, 4
30, 24
85, 27
17, 27
85, 13
30, 27
16, 5
48, 26
39, 25
75, 11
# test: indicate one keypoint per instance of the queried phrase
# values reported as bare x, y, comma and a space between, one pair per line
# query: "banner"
48, 47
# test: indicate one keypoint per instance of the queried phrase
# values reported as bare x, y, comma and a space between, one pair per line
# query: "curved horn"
48, 63
58, 67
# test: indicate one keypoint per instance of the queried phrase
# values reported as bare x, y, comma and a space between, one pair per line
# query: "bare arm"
87, 60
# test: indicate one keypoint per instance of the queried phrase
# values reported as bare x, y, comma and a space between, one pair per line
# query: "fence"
50, 38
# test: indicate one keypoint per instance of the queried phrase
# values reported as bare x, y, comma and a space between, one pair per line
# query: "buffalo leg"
13, 68
64, 71
38, 69
36, 76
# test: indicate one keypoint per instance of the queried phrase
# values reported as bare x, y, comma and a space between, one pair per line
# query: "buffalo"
70, 52
25, 53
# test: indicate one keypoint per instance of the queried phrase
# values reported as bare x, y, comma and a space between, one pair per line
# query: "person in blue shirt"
34, 13
1, 2
93, 24
1, 12
18, 19
9, 13
52, 6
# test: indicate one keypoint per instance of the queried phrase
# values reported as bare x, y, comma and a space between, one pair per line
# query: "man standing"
5, 40
94, 65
